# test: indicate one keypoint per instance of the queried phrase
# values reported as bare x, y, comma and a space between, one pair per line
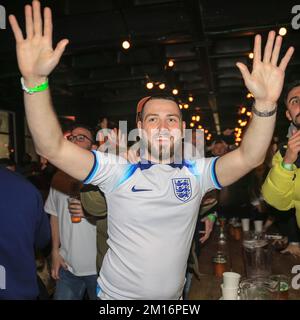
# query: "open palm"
267, 78
36, 57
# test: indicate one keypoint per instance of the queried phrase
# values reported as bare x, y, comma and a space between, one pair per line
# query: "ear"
94, 147
288, 115
183, 127
139, 124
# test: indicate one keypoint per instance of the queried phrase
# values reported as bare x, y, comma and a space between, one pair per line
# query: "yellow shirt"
281, 188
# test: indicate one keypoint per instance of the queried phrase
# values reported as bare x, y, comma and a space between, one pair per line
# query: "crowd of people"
111, 216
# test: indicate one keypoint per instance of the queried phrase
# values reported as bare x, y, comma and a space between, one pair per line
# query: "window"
7, 137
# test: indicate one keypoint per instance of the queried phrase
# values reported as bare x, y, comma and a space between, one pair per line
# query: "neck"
151, 158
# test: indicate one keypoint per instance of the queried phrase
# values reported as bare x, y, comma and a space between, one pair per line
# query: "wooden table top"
208, 285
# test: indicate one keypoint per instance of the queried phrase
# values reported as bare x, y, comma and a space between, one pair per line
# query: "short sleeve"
207, 170
50, 206
107, 171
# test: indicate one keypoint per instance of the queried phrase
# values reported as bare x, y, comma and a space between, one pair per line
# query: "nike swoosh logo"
139, 190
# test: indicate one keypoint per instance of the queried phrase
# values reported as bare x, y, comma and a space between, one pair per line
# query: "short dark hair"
288, 88
84, 126
6, 162
159, 97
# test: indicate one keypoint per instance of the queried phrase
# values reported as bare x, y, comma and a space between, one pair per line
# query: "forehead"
80, 130
161, 107
295, 92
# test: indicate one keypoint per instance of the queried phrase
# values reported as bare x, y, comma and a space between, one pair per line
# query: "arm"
36, 60
279, 186
265, 83
42, 232
57, 259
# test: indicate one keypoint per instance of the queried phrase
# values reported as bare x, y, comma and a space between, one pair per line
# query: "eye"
152, 119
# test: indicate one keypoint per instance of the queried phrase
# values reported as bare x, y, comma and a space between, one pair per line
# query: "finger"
286, 59
276, 51
48, 26
37, 18
244, 71
257, 50
60, 48
16, 29
269, 47
29, 22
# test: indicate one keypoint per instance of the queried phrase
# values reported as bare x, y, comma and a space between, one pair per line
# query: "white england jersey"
152, 213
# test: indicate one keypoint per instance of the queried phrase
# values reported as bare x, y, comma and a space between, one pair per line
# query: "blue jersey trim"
192, 167
128, 173
93, 171
214, 175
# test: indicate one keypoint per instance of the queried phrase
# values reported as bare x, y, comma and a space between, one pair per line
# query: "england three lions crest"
182, 189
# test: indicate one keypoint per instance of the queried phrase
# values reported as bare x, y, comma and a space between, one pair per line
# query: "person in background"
24, 227
146, 201
73, 244
282, 185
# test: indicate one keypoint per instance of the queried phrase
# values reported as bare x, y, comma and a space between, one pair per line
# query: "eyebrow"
157, 115
293, 98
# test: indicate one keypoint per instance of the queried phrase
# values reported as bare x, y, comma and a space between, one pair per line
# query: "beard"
165, 150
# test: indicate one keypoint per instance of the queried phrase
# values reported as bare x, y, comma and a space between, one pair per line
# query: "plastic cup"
246, 224
229, 293
258, 225
231, 279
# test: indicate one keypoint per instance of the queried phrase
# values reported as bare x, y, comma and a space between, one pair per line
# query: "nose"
162, 125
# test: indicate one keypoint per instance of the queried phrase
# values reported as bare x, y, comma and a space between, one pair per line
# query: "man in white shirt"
152, 205
73, 244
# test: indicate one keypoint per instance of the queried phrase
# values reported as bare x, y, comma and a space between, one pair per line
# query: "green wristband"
41, 87
212, 217
287, 166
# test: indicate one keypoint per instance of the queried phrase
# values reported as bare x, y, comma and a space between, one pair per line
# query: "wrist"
32, 81
265, 104
287, 166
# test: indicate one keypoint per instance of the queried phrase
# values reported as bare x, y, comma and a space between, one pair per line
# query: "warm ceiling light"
236, 129
249, 114
282, 31
149, 85
194, 118
251, 55
208, 138
162, 86
191, 99
206, 131
180, 106
175, 92
171, 63
243, 110
185, 106
192, 125
243, 124
240, 121
250, 95
200, 127
126, 44
198, 118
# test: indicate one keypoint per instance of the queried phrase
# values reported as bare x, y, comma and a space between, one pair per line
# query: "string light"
162, 86
251, 55
175, 92
192, 125
186, 106
191, 99
149, 85
126, 44
282, 31
171, 63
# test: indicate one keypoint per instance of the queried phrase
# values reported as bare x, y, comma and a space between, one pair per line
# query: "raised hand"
293, 149
36, 57
266, 80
